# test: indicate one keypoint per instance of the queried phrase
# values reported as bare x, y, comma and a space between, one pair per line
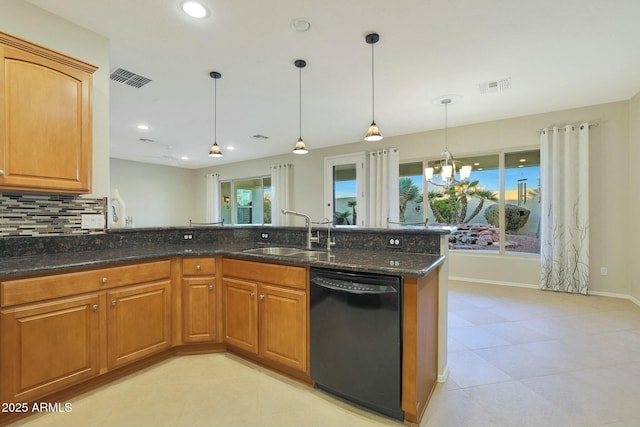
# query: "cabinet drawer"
286, 275
21, 291
198, 266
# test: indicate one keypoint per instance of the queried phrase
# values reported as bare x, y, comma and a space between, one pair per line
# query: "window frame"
501, 198
233, 202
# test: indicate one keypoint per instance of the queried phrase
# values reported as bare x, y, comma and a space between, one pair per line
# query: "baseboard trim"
444, 375
493, 282
527, 285
616, 295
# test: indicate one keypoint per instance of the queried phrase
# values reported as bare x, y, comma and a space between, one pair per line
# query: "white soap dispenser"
117, 210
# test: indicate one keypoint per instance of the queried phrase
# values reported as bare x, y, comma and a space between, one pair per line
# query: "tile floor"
518, 357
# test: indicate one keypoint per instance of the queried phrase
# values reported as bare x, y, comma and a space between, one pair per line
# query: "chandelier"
448, 168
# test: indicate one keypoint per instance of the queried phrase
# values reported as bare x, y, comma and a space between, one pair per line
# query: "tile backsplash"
32, 215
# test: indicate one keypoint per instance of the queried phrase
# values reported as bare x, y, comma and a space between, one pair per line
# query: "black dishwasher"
356, 338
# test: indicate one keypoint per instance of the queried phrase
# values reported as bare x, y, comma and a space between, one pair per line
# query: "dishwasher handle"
352, 287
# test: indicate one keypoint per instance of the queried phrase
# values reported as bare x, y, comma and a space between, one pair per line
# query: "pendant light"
448, 167
215, 150
300, 148
373, 134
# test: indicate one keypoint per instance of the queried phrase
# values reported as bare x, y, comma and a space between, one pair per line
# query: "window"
411, 193
246, 201
522, 201
466, 205
487, 218
344, 189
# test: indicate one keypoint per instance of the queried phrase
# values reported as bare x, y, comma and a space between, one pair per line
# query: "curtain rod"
591, 125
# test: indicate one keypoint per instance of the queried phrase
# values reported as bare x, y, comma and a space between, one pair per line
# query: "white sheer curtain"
281, 176
212, 198
564, 185
384, 197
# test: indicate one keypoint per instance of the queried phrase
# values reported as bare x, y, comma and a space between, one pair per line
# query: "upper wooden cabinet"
45, 119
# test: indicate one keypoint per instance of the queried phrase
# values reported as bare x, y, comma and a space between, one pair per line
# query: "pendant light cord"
215, 110
446, 125
373, 90
300, 101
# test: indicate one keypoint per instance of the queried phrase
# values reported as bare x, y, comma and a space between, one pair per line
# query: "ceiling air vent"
123, 76
259, 137
495, 86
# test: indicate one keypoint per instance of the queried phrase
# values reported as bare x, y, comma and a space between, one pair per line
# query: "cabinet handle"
1, 172
113, 303
261, 296
94, 307
251, 294
210, 287
104, 280
198, 267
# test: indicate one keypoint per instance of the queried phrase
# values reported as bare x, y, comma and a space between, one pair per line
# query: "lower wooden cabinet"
139, 322
283, 326
241, 314
50, 340
48, 346
199, 300
266, 319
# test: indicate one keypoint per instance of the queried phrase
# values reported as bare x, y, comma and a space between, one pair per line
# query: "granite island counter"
421, 261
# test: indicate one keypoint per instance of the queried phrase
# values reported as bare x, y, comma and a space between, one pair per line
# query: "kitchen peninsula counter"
384, 262
90, 282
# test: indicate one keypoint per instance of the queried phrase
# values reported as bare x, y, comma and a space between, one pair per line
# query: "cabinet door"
199, 304
283, 326
241, 314
48, 346
139, 322
46, 119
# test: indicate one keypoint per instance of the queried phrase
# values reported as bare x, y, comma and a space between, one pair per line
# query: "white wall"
153, 195
609, 201
634, 181
23, 20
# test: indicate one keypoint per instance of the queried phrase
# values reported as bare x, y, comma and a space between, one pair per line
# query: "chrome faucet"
310, 237
329, 241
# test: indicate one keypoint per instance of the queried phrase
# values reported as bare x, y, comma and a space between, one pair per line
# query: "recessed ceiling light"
184, 158
194, 9
476, 164
520, 166
230, 147
142, 126
300, 25
523, 160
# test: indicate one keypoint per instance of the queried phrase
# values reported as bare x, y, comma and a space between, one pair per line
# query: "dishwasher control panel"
350, 286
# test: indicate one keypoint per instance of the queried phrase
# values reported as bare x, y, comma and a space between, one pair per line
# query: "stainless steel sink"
273, 250
312, 255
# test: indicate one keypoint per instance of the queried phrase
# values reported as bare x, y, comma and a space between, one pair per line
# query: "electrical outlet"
92, 221
393, 241
264, 236
187, 237
604, 271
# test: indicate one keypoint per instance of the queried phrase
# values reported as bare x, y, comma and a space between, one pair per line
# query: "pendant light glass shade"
300, 147
215, 151
373, 134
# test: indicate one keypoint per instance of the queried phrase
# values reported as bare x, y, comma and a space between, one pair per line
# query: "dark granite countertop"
385, 262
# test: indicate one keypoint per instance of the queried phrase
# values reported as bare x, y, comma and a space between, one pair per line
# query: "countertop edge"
37, 265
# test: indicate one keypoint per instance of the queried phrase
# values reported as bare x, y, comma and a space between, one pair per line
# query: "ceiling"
558, 54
